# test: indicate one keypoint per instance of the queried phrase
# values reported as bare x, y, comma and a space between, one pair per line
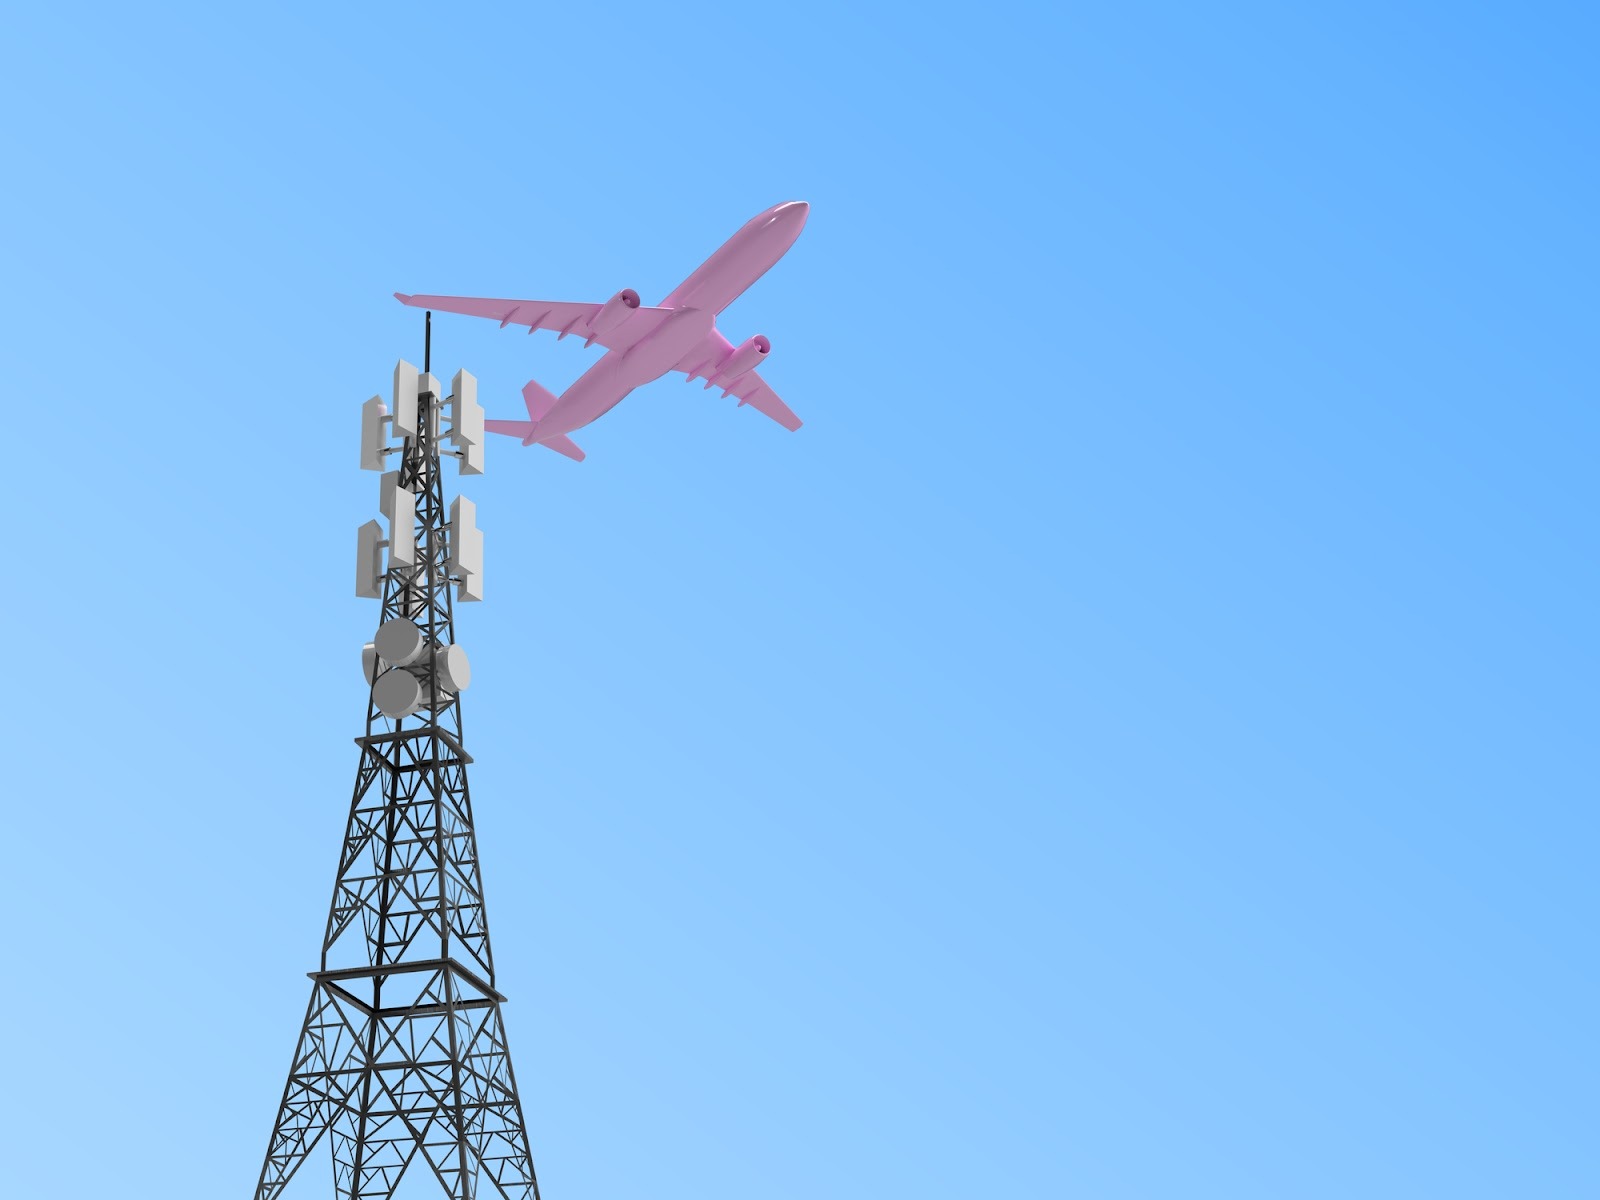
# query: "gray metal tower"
403, 1047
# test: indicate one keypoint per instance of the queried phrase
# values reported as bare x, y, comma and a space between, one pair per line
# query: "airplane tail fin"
538, 399
562, 444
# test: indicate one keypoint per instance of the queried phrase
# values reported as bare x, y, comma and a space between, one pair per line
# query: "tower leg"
326, 1066
501, 1138
497, 1135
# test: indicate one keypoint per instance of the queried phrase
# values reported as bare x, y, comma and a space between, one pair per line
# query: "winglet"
402, 297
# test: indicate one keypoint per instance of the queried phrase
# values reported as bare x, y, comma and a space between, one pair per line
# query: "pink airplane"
644, 343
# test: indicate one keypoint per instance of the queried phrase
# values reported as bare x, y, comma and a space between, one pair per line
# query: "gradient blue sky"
1137, 740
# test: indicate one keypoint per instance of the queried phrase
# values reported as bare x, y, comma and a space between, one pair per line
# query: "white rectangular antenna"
466, 539
471, 459
466, 414
403, 530
369, 561
429, 385
466, 548
405, 399
400, 506
374, 438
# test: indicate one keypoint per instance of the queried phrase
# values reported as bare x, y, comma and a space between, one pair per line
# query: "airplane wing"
750, 388
560, 317
753, 390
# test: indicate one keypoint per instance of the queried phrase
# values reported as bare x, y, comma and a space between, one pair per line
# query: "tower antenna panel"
466, 549
374, 437
466, 414
405, 399
400, 506
369, 561
466, 539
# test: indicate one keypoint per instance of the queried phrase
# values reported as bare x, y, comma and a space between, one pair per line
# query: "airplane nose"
790, 218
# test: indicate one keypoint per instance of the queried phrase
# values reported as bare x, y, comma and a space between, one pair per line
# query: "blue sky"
1136, 740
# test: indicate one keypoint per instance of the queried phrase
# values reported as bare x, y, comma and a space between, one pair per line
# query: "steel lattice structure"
403, 1047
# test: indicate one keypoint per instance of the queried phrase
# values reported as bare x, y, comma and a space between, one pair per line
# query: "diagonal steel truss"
405, 1049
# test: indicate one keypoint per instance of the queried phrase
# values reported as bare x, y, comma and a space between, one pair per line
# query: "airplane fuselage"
714, 284
603, 386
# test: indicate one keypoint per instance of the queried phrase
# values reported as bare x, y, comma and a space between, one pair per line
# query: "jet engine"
740, 362
614, 311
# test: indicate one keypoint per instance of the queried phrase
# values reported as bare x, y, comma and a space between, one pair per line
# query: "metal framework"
404, 1048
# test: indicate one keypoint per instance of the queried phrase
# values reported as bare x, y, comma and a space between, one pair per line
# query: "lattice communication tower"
403, 1048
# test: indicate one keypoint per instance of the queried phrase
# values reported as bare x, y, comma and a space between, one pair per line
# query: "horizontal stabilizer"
516, 429
538, 399
562, 444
